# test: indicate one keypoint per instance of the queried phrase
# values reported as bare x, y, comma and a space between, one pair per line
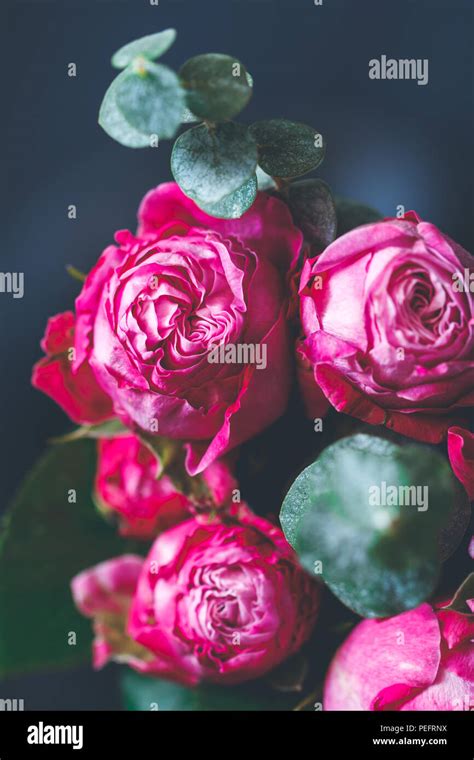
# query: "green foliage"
145, 693
313, 210
382, 558
150, 98
287, 148
211, 164
46, 539
217, 86
152, 47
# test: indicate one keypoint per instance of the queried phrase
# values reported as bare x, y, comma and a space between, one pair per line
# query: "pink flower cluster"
385, 337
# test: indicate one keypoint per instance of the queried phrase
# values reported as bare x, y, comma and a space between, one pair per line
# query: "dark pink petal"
461, 456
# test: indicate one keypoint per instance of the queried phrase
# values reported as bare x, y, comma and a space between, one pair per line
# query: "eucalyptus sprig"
218, 163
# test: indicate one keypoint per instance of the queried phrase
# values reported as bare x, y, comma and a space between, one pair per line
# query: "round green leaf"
351, 214
150, 98
313, 210
154, 694
367, 517
235, 204
287, 148
114, 123
217, 86
151, 46
211, 164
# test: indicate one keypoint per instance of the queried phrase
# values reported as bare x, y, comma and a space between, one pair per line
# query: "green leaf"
109, 429
379, 558
145, 693
351, 214
235, 204
211, 164
313, 211
264, 181
287, 148
464, 593
217, 86
44, 542
187, 117
151, 46
150, 98
112, 120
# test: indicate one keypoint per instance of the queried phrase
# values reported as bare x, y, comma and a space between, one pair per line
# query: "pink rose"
420, 660
104, 593
74, 389
461, 456
389, 330
154, 308
130, 480
222, 602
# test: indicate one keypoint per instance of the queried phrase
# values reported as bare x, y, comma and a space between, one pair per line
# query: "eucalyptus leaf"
112, 120
153, 694
464, 593
187, 117
377, 550
287, 148
46, 539
235, 204
351, 214
264, 181
211, 164
151, 46
217, 86
313, 211
151, 99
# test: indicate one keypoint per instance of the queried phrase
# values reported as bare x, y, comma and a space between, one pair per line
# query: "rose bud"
132, 482
388, 326
104, 593
185, 326
420, 660
222, 602
75, 389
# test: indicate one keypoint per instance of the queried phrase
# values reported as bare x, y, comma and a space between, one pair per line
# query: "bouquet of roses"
257, 354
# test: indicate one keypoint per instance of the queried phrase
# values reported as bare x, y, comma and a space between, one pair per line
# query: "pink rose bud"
75, 389
132, 482
156, 307
104, 593
420, 660
222, 602
387, 317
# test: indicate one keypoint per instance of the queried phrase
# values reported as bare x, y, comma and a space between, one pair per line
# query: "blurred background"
389, 143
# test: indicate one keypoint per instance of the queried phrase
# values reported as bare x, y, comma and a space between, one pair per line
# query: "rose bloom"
389, 332
157, 304
420, 660
131, 481
78, 394
214, 602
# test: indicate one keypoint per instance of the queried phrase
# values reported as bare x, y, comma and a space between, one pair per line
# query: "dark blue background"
388, 143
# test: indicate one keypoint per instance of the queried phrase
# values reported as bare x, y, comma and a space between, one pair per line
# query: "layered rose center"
176, 302
414, 309
224, 609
